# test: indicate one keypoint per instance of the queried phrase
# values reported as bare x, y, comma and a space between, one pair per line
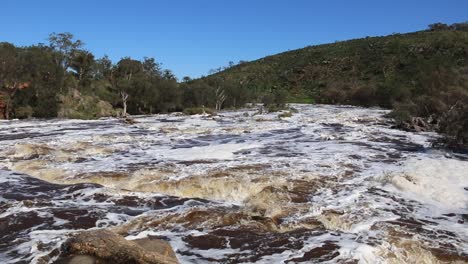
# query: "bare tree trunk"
7, 110
124, 102
220, 98
9, 100
80, 77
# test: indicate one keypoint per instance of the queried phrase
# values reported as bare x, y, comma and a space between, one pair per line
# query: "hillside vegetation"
422, 74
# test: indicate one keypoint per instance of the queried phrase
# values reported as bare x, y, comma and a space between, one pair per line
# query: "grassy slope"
333, 73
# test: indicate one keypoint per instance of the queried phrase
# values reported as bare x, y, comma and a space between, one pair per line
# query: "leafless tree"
124, 102
220, 98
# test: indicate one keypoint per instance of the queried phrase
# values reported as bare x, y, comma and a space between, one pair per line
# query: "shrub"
24, 112
427, 106
454, 124
363, 96
403, 112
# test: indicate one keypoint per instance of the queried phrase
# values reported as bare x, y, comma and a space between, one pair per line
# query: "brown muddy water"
331, 184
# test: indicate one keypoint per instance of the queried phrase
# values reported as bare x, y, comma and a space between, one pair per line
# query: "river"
331, 184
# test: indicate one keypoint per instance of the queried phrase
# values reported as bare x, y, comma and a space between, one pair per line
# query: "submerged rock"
128, 120
103, 246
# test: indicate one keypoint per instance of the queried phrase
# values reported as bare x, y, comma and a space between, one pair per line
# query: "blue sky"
192, 36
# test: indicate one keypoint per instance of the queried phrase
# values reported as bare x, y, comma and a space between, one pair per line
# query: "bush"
333, 95
46, 107
24, 112
363, 96
454, 124
403, 112
427, 106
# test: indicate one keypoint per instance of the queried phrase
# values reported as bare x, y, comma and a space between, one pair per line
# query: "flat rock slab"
104, 246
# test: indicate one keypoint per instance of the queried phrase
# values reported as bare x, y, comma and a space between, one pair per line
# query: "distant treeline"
64, 79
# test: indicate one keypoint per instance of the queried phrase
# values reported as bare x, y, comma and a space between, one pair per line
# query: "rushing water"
330, 184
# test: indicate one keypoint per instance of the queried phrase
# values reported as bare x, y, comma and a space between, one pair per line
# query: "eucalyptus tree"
151, 67
81, 63
10, 77
126, 70
66, 46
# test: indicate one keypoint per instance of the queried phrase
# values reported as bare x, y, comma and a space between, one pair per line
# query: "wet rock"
153, 244
252, 244
129, 121
326, 252
205, 242
11, 225
77, 218
103, 246
81, 259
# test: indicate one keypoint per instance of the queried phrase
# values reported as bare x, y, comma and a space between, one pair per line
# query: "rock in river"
103, 246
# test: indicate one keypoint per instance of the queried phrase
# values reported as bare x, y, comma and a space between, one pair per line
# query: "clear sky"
192, 36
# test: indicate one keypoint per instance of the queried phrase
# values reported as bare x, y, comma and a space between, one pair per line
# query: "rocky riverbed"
331, 184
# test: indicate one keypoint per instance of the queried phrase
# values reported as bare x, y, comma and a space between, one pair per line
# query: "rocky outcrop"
78, 106
104, 246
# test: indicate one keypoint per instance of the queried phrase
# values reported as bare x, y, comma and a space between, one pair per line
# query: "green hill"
421, 74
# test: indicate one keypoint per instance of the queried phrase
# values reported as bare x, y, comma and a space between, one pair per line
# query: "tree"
168, 75
12, 77
127, 69
124, 96
46, 81
220, 97
438, 27
82, 62
102, 68
66, 46
151, 67
460, 26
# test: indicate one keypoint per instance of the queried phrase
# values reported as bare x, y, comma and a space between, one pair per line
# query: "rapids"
331, 184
